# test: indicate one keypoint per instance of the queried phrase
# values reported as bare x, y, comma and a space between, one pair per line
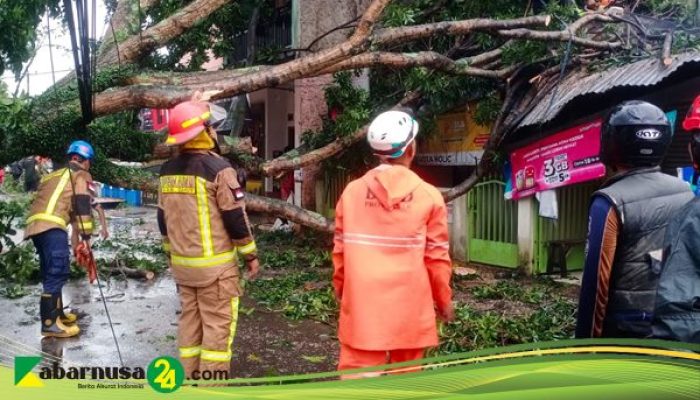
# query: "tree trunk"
289, 211
230, 145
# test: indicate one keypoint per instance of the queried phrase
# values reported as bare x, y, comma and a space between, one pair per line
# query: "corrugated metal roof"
642, 73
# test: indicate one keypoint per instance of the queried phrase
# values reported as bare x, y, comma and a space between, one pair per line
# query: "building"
536, 216
277, 117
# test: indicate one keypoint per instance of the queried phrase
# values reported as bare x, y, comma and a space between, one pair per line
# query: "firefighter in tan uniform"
202, 218
63, 197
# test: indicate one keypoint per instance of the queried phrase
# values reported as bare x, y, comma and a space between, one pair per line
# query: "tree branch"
161, 33
192, 78
666, 49
506, 119
111, 100
488, 56
346, 55
289, 211
577, 25
285, 162
453, 28
483, 164
419, 59
562, 36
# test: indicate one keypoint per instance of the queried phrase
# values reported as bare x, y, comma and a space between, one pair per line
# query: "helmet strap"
203, 141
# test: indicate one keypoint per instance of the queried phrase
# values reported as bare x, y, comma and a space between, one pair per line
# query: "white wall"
459, 225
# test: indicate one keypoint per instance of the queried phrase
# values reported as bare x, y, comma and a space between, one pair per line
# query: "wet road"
144, 316
144, 313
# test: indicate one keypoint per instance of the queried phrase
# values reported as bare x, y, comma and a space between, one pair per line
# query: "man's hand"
447, 314
104, 233
253, 269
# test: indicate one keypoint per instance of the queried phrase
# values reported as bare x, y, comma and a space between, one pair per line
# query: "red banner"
565, 158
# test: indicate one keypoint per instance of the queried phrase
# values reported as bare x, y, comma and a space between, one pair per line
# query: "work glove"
85, 259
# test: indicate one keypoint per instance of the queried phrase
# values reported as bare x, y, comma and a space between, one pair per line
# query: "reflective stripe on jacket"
392, 266
55, 204
202, 217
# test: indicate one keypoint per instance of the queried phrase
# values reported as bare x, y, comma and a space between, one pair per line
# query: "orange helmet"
186, 121
692, 120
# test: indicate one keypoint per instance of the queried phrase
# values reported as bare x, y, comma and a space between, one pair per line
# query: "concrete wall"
316, 17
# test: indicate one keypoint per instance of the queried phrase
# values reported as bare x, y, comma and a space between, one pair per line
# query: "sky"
39, 73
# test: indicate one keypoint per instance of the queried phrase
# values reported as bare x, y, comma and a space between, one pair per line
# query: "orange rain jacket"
392, 266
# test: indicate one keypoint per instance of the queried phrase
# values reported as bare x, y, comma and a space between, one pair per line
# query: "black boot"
51, 324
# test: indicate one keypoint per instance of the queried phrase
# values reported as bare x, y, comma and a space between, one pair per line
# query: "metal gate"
493, 226
571, 228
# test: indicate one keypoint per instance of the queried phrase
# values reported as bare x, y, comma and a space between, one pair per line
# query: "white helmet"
391, 133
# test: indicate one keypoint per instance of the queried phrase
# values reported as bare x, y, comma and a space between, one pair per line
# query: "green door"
571, 226
493, 226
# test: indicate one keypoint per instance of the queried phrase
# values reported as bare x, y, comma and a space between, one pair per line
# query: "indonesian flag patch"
238, 194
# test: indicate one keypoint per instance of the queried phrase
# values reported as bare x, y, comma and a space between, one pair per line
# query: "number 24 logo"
165, 374
166, 378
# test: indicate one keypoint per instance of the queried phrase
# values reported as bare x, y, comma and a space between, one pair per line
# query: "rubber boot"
67, 318
51, 325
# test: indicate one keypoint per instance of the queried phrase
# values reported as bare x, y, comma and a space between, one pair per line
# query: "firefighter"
202, 219
627, 222
63, 197
677, 313
392, 269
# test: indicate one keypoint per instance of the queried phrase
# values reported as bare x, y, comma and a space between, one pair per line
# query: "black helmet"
635, 134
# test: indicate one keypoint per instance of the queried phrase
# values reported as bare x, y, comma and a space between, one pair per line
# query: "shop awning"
647, 72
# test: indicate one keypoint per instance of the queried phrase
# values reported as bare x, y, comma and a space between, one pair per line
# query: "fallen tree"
476, 47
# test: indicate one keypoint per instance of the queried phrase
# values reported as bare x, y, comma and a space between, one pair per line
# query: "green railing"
493, 226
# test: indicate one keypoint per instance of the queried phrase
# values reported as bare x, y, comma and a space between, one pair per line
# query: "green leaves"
518, 313
524, 52
20, 21
487, 109
11, 215
349, 108
397, 14
18, 266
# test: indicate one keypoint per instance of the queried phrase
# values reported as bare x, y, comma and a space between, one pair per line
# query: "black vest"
645, 200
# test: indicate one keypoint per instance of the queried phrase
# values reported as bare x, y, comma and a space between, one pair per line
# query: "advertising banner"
565, 158
458, 140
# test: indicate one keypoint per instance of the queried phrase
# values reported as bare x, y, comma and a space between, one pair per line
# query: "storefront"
446, 157
540, 222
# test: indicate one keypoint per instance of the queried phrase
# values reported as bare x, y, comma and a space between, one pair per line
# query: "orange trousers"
207, 325
351, 358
